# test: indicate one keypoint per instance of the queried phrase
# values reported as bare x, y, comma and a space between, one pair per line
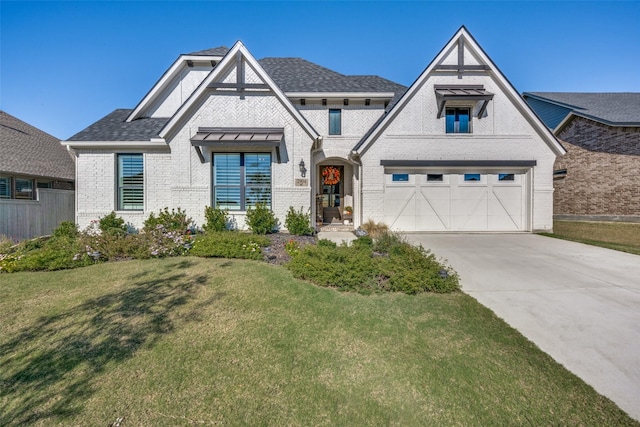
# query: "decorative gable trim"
236, 59
183, 61
464, 41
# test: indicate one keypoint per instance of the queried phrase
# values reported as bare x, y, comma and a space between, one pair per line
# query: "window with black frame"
241, 180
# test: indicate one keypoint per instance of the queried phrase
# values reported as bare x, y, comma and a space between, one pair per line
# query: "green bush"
340, 266
261, 219
298, 222
55, 253
117, 246
112, 224
67, 229
216, 219
229, 244
388, 265
176, 220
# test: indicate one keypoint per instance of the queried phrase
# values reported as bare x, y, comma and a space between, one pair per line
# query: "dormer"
178, 83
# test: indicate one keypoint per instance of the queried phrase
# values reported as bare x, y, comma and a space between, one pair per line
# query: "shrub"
176, 220
375, 229
341, 267
229, 244
363, 242
216, 219
395, 266
67, 229
112, 224
298, 222
116, 246
261, 219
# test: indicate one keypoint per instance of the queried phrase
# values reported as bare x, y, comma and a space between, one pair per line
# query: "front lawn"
621, 236
194, 341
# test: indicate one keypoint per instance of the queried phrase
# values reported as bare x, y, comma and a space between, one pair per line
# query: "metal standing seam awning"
241, 138
474, 93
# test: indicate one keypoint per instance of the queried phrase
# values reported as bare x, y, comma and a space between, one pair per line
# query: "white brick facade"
196, 97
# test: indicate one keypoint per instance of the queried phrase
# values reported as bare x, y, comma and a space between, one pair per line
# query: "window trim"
119, 203
243, 182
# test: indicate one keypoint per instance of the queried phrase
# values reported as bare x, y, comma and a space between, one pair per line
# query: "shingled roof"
26, 150
216, 51
290, 74
114, 127
611, 108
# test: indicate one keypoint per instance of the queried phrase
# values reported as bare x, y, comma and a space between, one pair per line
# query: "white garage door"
455, 201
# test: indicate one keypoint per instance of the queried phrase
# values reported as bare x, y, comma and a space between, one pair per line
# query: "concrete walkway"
338, 237
578, 303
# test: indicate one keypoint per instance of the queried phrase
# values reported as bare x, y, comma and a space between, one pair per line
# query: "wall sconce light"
303, 169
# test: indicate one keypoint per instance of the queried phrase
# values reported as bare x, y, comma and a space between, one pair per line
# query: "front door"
332, 192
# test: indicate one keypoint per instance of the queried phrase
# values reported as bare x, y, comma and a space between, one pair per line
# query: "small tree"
260, 219
298, 222
216, 219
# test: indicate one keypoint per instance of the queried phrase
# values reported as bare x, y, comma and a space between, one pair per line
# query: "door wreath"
331, 175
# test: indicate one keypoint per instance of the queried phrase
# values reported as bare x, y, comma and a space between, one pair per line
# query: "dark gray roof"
300, 75
216, 51
290, 74
26, 150
114, 127
612, 108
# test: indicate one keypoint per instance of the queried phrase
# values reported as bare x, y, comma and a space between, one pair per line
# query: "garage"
458, 200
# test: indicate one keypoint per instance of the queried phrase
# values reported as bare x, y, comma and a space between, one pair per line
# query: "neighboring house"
599, 177
37, 177
459, 150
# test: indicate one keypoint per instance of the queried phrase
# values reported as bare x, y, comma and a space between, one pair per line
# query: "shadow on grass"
50, 368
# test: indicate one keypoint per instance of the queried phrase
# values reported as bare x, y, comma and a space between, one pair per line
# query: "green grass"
620, 236
185, 341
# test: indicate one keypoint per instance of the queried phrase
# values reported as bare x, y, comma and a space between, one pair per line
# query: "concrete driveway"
578, 303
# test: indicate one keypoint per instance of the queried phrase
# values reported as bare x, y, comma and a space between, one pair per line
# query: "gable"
462, 67
240, 75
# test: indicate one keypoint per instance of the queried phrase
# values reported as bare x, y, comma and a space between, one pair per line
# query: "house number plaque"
302, 182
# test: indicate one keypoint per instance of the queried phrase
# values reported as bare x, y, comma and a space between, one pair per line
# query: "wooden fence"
24, 219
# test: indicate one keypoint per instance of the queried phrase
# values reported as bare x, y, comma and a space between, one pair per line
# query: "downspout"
74, 153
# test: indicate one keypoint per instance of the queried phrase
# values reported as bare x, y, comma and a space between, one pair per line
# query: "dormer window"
449, 97
458, 120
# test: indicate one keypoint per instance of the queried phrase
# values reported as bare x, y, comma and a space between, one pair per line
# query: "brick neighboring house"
459, 150
37, 179
599, 177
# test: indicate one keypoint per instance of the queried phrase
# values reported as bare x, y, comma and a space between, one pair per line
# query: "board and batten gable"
218, 101
506, 132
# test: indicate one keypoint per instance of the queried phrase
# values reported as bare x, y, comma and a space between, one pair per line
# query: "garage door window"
400, 177
434, 177
472, 177
506, 177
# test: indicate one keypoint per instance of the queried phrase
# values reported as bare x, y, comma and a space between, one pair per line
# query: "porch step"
337, 227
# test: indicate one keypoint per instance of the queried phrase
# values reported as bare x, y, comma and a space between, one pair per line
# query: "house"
37, 177
459, 150
599, 178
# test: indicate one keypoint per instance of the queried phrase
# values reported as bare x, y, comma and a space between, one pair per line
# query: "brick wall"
603, 170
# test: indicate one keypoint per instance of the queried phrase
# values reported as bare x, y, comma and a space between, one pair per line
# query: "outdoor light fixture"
303, 170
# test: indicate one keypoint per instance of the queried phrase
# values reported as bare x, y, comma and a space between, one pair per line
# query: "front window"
241, 180
458, 120
5, 187
24, 189
130, 182
335, 122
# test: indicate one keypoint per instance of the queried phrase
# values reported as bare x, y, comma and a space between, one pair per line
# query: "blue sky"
64, 65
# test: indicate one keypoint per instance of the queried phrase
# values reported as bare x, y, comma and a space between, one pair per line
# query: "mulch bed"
276, 253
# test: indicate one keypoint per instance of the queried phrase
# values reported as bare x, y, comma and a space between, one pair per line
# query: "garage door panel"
433, 209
